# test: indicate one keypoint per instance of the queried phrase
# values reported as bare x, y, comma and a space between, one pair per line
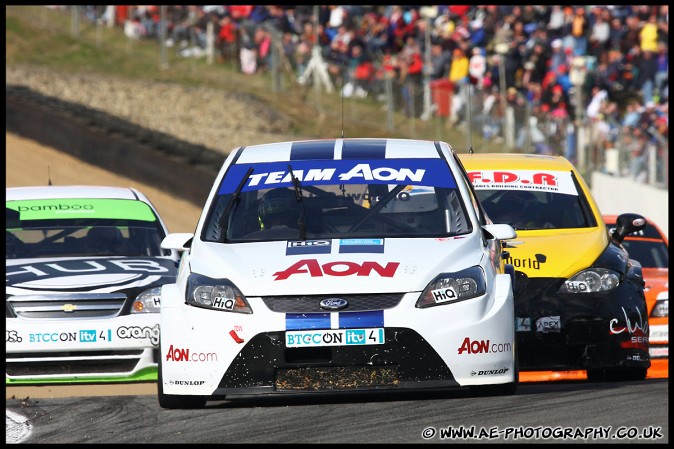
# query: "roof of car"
333, 149
515, 161
72, 191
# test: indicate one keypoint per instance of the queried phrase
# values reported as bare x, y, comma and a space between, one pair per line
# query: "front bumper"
212, 353
579, 331
123, 349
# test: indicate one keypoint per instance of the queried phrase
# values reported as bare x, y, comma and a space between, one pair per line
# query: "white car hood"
335, 266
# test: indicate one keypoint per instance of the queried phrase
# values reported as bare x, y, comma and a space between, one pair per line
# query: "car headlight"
218, 294
147, 302
592, 280
452, 287
661, 308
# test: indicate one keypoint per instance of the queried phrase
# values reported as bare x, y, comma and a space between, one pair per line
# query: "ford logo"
334, 304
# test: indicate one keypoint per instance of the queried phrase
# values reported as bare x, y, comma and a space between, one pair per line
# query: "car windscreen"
337, 199
530, 200
81, 227
649, 253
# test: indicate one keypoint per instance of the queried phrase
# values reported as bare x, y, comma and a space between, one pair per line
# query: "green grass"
39, 36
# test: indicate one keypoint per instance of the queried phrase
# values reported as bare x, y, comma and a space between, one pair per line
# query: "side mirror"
179, 241
627, 224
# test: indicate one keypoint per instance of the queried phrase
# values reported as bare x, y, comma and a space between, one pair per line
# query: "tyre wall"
183, 169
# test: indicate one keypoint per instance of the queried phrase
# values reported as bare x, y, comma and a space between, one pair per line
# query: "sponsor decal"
346, 268
483, 347
444, 294
547, 324
184, 355
550, 181
658, 351
140, 333
416, 171
659, 333
43, 270
12, 336
235, 336
52, 337
89, 336
361, 246
76, 208
95, 336
522, 324
186, 382
527, 263
336, 337
309, 247
638, 327
489, 372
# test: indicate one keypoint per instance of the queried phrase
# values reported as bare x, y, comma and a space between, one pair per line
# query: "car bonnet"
544, 254
335, 266
86, 274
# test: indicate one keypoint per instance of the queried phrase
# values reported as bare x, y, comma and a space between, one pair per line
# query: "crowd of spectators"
624, 94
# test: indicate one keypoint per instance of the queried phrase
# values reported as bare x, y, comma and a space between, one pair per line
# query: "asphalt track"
586, 412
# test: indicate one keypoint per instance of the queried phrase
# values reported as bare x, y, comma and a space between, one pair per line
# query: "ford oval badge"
333, 304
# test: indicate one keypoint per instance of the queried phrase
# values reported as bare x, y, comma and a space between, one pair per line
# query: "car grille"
72, 363
66, 306
336, 378
307, 304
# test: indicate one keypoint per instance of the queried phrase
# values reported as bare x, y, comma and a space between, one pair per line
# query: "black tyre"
174, 401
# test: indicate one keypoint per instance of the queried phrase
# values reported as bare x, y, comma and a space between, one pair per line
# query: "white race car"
83, 271
337, 266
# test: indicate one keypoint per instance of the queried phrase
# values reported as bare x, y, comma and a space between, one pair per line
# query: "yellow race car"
579, 298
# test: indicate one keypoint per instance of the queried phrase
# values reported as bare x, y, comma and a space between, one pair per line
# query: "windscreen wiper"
380, 204
232, 202
300, 199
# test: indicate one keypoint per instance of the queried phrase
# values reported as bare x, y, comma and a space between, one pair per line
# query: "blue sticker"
360, 320
301, 321
361, 246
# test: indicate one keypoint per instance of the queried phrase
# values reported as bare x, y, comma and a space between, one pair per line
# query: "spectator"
410, 77
440, 61
477, 67
600, 31
226, 40
662, 71
556, 22
579, 27
648, 36
648, 67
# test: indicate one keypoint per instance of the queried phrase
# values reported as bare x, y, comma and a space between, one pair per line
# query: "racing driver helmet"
278, 207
